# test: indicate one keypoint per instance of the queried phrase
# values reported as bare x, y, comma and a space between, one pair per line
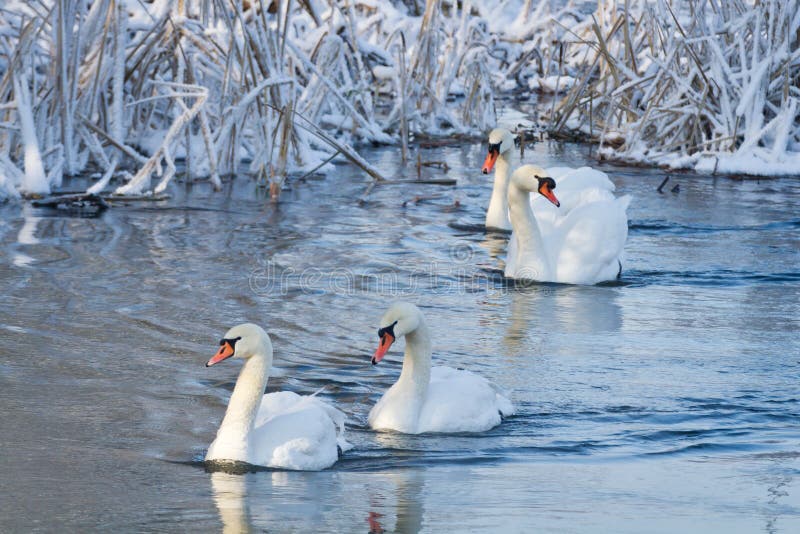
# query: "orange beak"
386, 341
225, 351
488, 163
547, 193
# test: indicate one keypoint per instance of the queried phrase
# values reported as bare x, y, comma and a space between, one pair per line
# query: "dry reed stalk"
715, 86
403, 83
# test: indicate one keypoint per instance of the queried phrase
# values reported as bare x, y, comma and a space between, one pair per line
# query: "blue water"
667, 401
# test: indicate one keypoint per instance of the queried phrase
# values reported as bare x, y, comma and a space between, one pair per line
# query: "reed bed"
135, 91
704, 84
128, 89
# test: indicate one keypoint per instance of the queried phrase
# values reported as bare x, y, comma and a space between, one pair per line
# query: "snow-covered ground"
128, 87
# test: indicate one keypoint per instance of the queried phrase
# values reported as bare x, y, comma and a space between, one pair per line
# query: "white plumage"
281, 429
438, 399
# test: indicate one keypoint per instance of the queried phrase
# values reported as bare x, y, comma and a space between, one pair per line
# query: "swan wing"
568, 178
592, 238
461, 401
574, 188
295, 432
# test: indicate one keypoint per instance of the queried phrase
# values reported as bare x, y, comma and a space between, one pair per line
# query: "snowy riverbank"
123, 89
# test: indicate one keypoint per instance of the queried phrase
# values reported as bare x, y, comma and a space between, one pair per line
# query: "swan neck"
245, 399
497, 214
416, 373
530, 244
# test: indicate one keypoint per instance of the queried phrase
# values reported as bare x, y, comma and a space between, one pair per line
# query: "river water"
665, 402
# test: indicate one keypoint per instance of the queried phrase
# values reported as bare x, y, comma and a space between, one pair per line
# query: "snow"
511, 119
35, 180
551, 84
7, 189
129, 78
715, 95
754, 163
383, 72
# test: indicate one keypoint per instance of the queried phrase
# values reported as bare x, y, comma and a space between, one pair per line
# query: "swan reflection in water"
312, 501
27, 236
230, 492
262, 500
538, 309
405, 488
495, 244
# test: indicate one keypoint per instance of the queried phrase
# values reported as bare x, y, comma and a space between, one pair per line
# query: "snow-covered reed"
129, 87
126, 89
692, 83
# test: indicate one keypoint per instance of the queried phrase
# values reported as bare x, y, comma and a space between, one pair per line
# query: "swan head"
500, 142
534, 179
242, 341
400, 319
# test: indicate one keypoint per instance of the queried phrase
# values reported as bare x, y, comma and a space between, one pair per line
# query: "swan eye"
387, 330
493, 147
546, 181
231, 342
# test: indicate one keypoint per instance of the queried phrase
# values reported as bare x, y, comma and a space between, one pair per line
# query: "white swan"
281, 429
501, 142
583, 247
582, 241
575, 186
440, 399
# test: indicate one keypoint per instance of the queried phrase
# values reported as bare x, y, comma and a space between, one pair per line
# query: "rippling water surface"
665, 402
